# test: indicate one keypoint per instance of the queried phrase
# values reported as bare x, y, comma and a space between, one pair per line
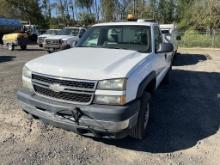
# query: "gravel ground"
183, 128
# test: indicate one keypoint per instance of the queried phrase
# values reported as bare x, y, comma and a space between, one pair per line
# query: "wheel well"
147, 85
151, 86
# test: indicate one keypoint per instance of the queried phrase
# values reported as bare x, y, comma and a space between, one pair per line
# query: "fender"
142, 86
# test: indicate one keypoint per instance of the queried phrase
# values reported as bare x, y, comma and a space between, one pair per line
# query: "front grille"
75, 91
41, 39
52, 42
81, 98
72, 83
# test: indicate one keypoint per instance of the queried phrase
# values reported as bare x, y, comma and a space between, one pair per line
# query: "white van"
169, 32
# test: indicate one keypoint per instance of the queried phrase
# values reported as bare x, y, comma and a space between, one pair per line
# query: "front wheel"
11, 47
139, 131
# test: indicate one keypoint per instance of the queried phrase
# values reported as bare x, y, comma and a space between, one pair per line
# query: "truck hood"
88, 63
62, 37
44, 35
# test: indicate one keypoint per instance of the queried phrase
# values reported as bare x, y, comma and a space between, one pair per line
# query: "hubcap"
146, 117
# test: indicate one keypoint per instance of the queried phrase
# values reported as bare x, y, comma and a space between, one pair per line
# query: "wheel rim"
10, 47
146, 116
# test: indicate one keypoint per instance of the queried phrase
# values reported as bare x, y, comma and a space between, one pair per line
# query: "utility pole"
134, 7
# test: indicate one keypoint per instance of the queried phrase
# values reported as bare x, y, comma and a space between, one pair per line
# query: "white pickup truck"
49, 32
66, 38
103, 86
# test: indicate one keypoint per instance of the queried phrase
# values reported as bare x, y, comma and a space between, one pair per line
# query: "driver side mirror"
165, 48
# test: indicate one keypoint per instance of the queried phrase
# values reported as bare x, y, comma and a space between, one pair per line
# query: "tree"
206, 15
97, 10
86, 19
71, 6
108, 9
8, 11
85, 4
46, 8
29, 9
166, 10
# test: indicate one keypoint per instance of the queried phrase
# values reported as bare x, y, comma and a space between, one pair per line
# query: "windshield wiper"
115, 48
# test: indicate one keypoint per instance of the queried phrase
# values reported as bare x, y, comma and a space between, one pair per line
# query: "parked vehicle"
103, 86
10, 41
8, 26
32, 31
50, 32
169, 32
66, 38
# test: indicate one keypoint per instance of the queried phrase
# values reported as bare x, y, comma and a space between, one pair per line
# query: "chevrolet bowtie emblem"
56, 88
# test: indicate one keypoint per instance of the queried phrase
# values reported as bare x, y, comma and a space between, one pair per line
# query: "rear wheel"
139, 131
23, 47
49, 51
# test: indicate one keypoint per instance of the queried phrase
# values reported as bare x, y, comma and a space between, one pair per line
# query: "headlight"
114, 84
110, 100
26, 72
62, 42
26, 79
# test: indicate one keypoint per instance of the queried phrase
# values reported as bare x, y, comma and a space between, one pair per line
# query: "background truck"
48, 33
8, 26
170, 35
66, 38
10, 41
103, 86
32, 31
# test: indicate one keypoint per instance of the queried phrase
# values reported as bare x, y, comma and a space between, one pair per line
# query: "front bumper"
55, 47
95, 120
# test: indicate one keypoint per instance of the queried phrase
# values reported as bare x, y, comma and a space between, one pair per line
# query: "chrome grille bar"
73, 90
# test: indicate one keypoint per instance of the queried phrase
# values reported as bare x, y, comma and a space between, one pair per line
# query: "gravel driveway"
183, 128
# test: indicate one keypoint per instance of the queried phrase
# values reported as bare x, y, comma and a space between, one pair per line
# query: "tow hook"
76, 114
94, 133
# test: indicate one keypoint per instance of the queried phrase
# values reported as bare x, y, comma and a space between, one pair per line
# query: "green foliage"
108, 9
8, 11
193, 38
86, 19
29, 10
85, 4
206, 15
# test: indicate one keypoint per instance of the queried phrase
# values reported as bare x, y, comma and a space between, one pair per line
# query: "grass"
193, 38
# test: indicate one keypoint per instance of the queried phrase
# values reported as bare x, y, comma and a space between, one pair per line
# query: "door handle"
165, 56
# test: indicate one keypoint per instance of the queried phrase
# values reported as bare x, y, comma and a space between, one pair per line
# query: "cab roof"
129, 23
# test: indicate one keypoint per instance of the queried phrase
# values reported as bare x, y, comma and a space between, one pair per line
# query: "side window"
82, 31
157, 38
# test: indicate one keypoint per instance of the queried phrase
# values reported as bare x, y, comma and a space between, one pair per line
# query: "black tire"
167, 78
139, 131
49, 51
23, 47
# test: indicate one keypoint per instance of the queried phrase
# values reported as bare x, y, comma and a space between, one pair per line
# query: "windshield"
167, 32
118, 37
53, 32
69, 31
